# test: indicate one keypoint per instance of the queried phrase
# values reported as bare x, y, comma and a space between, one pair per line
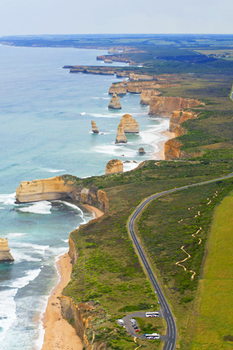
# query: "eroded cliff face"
164, 106
94, 127
46, 189
179, 117
146, 96
136, 87
57, 188
83, 318
114, 166
172, 150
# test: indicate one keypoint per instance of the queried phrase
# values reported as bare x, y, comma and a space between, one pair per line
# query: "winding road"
170, 338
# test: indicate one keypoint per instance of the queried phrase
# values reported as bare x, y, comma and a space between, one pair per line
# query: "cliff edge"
164, 106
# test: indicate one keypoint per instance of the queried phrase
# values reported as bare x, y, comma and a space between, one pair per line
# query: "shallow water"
45, 130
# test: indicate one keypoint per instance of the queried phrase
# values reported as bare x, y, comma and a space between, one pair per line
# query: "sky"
28, 17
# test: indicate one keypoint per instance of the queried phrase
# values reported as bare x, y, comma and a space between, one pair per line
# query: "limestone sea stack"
95, 129
121, 138
5, 254
114, 166
130, 124
115, 102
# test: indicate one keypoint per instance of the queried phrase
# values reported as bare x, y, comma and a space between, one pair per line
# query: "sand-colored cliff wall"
57, 188
164, 106
118, 88
172, 150
146, 96
179, 117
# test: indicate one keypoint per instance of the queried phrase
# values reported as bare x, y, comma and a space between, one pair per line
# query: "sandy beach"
59, 334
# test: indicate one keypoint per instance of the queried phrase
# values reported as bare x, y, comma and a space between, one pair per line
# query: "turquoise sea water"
45, 130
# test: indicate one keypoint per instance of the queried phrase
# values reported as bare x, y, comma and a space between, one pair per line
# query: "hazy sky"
121, 16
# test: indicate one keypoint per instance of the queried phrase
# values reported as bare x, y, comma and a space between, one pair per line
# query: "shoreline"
58, 333
161, 144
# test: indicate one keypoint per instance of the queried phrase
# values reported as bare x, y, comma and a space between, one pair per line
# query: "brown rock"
115, 102
141, 150
172, 149
107, 60
114, 166
130, 124
179, 131
113, 50
164, 106
179, 117
118, 88
121, 138
146, 96
95, 129
5, 254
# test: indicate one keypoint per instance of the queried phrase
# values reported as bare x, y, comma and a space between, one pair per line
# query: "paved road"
170, 337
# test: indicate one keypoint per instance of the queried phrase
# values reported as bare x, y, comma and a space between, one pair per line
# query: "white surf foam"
65, 240
25, 280
83, 113
7, 199
7, 310
98, 115
130, 166
76, 208
42, 207
15, 234
54, 170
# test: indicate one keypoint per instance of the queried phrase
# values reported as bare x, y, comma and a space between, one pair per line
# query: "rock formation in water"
164, 106
115, 102
146, 96
130, 124
114, 166
5, 254
94, 127
121, 138
179, 117
118, 88
141, 150
107, 60
60, 188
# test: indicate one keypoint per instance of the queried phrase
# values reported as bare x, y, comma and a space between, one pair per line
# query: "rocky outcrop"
113, 50
121, 138
72, 251
130, 124
115, 102
5, 254
141, 150
107, 60
114, 166
146, 96
94, 127
179, 117
118, 88
60, 188
164, 106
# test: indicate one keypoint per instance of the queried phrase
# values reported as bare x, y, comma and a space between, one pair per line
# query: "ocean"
45, 131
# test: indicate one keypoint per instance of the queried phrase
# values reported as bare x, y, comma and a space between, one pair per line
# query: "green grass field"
211, 323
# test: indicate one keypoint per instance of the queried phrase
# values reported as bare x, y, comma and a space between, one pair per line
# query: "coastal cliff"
5, 254
179, 117
164, 106
61, 188
120, 137
146, 96
118, 88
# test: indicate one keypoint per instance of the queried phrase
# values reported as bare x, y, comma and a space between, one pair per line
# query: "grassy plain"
210, 325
